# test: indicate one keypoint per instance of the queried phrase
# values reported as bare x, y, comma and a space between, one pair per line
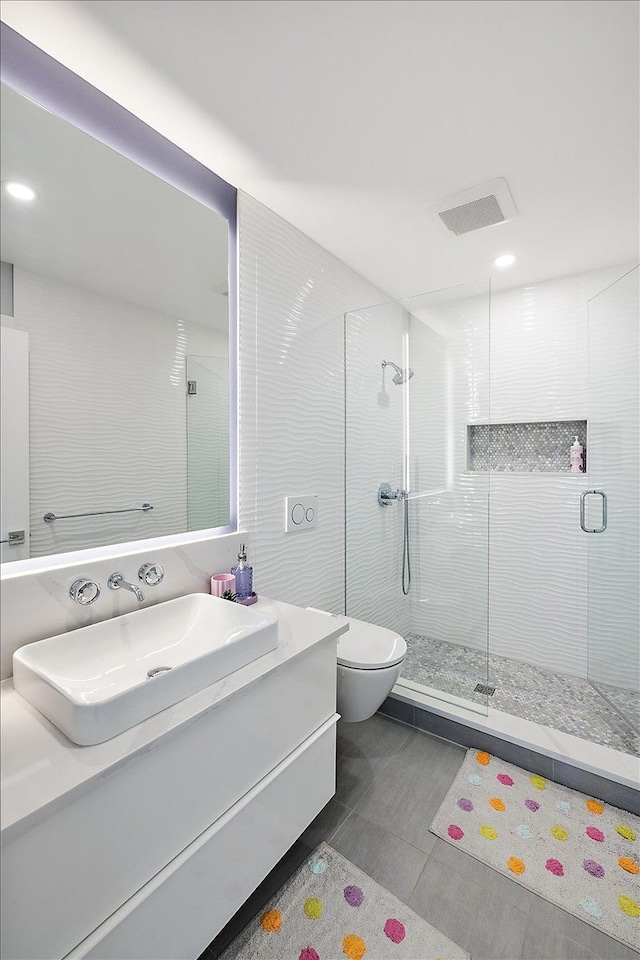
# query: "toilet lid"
369, 647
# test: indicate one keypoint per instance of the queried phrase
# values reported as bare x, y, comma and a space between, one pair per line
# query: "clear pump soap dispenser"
244, 578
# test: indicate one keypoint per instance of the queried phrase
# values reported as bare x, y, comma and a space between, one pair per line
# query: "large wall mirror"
118, 322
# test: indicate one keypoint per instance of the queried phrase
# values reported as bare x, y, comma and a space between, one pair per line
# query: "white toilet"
370, 659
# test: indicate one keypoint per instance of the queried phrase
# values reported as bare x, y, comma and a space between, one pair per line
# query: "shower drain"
483, 688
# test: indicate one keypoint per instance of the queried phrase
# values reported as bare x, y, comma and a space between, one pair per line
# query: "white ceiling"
358, 115
104, 224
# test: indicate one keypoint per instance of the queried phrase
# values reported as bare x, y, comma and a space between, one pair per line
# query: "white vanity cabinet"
146, 845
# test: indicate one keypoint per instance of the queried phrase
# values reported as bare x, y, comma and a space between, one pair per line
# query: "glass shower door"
207, 442
417, 379
610, 499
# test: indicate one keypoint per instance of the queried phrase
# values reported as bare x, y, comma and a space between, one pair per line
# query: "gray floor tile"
487, 926
485, 876
559, 921
325, 824
396, 779
406, 794
391, 862
541, 943
363, 750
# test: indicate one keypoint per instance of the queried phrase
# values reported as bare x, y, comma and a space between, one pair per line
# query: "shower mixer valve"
387, 495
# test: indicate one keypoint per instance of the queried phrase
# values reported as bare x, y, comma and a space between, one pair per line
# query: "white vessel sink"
97, 681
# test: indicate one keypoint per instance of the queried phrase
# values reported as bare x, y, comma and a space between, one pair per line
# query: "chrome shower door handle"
583, 511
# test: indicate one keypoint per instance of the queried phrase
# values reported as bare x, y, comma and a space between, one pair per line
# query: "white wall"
293, 295
614, 466
14, 441
108, 413
538, 574
292, 298
375, 453
449, 510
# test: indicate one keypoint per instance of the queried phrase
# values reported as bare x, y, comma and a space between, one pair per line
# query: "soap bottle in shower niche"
576, 457
244, 577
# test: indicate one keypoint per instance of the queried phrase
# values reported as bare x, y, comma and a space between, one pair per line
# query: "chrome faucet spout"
117, 582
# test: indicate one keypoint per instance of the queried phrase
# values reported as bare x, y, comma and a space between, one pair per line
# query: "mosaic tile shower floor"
555, 700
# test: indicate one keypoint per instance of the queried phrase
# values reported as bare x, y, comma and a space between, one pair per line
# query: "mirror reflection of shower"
401, 376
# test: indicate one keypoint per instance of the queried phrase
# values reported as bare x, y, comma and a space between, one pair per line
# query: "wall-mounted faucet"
117, 582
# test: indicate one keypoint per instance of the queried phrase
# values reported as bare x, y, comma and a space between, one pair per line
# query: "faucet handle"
151, 573
84, 591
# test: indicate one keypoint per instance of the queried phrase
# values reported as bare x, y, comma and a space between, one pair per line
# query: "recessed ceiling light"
20, 190
506, 260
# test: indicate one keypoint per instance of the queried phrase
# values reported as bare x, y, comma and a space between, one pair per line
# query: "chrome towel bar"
50, 517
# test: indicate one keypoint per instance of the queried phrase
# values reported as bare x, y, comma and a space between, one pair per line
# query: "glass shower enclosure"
514, 580
417, 379
611, 497
207, 400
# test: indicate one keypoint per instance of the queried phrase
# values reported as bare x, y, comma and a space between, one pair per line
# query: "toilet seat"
369, 647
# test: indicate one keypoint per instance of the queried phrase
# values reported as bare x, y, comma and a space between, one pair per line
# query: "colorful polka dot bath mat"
573, 850
330, 910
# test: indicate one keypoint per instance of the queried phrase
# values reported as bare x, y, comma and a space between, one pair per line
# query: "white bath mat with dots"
573, 850
330, 910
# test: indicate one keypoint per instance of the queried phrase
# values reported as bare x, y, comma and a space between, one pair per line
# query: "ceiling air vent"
481, 206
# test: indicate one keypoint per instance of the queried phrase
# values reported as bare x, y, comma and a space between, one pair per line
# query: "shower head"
401, 376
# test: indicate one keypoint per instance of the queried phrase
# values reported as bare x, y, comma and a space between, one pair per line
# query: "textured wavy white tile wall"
614, 466
108, 415
293, 295
450, 356
292, 298
375, 451
538, 583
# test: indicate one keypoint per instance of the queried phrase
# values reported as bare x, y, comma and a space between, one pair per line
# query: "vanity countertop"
41, 768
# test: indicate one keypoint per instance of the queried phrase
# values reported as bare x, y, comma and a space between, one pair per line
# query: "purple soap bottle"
244, 576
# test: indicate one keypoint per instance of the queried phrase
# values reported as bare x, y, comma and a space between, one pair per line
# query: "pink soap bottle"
576, 457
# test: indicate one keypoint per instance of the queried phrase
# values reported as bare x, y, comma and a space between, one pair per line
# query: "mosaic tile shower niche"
524, 447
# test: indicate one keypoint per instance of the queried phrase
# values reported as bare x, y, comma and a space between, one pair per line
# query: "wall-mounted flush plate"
301, 513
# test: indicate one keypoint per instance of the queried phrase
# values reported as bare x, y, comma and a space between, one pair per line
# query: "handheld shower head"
401, 376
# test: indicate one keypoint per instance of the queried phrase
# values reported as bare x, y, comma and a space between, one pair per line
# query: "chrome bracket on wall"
583, 511
15, 538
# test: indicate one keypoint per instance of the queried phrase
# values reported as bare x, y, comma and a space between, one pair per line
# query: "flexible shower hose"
406, 557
